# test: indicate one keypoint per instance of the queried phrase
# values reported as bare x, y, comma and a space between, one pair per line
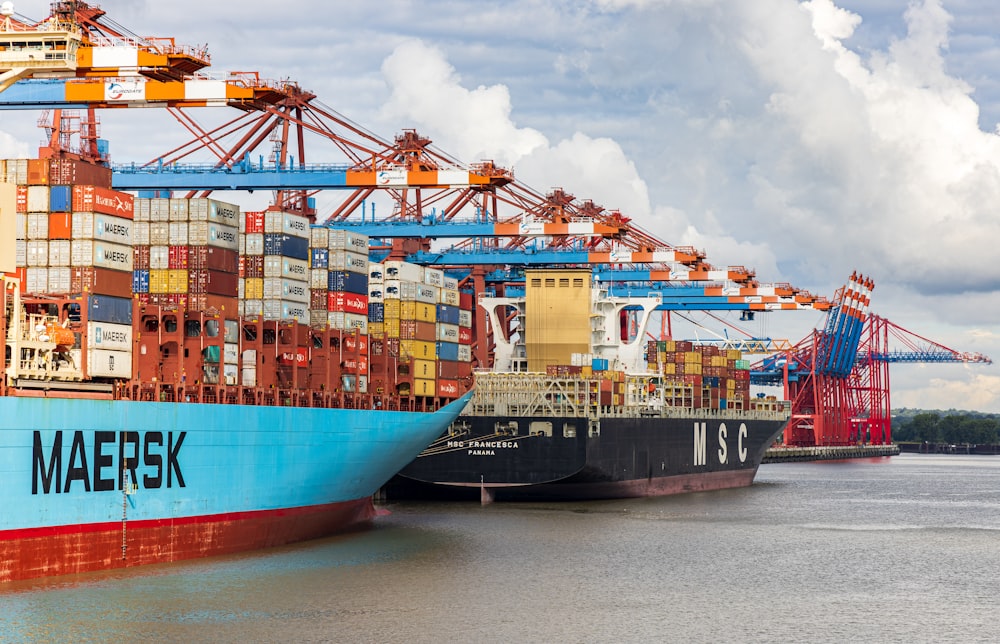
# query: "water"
895, 550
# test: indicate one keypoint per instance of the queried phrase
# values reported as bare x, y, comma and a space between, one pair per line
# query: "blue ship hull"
95, 484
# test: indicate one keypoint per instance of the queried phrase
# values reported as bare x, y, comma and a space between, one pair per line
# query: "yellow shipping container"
419, 311
692, 357
391, 309
669, 368
423, 387
424, 368
253, 288
391, 327
734, 354
558, 322
693, 369
376, 328
417, 349
177, 279
159, 281
586, 371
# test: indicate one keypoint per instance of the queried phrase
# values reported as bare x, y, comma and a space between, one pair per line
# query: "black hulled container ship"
580, 406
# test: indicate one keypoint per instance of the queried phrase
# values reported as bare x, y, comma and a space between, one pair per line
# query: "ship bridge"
28, 49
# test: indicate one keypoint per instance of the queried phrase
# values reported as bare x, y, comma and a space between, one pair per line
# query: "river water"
905, 549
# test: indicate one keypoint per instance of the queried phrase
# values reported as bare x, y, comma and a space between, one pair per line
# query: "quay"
829, 453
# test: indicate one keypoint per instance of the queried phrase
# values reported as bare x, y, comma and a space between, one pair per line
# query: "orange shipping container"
101, 281
98, 199
447, 388
38, 172
21, 199
60, 225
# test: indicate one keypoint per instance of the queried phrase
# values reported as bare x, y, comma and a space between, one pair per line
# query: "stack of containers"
186, 253
450, 350
286, 267
251, 268
74, 238
347, 281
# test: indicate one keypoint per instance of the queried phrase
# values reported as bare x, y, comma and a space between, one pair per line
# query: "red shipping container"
447, 388
254, 222
464, 335
241, 263
213, 282
98, 199
38, 172
356, 344
465, 301
299, 356
60, 225
464, 369
415, 330
67, 172
177, 257
210, 303
253, 266
215, 259
21, 199
317, 299
341, 302
448, 369
357, 366
101, 281
140, 258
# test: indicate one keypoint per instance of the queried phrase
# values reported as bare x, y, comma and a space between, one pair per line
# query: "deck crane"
838, 378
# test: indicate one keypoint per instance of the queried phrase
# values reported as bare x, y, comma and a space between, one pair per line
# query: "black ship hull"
536, 458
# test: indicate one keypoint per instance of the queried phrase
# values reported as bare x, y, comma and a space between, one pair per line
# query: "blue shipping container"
61, 199
286, 246
376, 312
112, 310
140, 281
348, 282
599, 364
447, 314
320, 258
447, 351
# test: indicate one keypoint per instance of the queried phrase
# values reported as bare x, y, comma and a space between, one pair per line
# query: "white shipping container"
347, 240
253, 308
242, 245
433, 277
230, 374
426, 294
102, 363
178, 232
341, 260
248, 377
286, 310
347, 321
393, 289
450, 282
59, 252
178, 209
38, 253
278, 288
278, 266
114, 337
241, 289
255, 244
86, 252
159, 209
140, 210
213, 210
464, 353
376, 292
449, 297
20, 168
317, 318
38, 198
375, 273
60, 279
465, 319
319, 237
159, 257
210, 233
20, 225
319, 278
159, 233
89, 225
287, 223
396, 270
20, 252
447, 332
36, 280
231, 353
140, 233
38, 225
249, 357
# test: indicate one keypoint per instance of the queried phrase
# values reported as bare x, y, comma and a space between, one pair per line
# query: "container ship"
580, 406
184, 379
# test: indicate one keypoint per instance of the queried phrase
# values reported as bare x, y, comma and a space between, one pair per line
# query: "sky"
804, 140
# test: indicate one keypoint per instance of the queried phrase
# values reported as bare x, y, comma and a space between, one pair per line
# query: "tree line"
951, 428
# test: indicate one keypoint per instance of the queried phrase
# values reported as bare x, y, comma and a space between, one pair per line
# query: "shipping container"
447, 388
286, 223
417, 349
105, 308
285, 310
286, 246
105, 335
253, 244
102, 363
278, 266
347, 321
88, 225
423, 387
319, 258
347, 302
86, 252
448, 350
403, 271
140, 281
347, 240
159, 233
219, 212
211, 233
447, 314
103, 200
38, 225
424, 368
347, 281
447, 332
253, 222
341, 260
178, 233
286, 289
61, 199
203, 280
60, 279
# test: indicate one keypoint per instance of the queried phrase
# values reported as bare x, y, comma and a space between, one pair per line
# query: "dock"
829, 453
